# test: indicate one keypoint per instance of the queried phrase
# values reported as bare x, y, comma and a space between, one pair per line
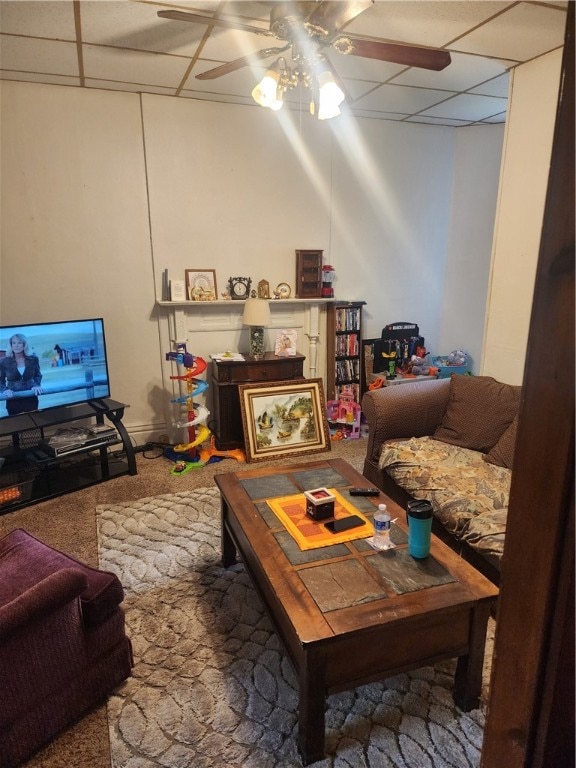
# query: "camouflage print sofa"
450, 441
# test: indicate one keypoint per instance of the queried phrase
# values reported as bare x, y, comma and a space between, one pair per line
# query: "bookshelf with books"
344, 346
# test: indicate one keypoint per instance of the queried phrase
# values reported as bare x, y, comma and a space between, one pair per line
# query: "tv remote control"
364, 492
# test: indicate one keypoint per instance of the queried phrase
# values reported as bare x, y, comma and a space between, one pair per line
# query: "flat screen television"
50, 365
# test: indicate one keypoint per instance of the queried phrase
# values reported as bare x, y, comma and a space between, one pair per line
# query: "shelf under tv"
31, 474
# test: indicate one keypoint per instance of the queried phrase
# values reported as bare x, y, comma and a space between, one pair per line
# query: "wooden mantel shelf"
240, 303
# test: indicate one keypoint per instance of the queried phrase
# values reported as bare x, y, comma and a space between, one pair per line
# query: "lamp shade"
256, 312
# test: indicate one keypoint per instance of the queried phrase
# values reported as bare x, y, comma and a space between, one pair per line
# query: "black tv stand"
31, 473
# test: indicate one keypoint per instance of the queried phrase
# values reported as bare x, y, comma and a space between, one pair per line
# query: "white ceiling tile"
496, 87
47, 18
437, 121
136, 25
128, 47
397, 98
467, 107
500, 118
33, 77
358, 88
363, 69
380, 115
109, 85
227, 44
133, 66
427, 23
29, 55
463, 73
522, 33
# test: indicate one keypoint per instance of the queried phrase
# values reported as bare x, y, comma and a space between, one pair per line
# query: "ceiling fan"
309, 29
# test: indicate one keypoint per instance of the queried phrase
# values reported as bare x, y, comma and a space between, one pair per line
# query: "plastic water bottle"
382, 527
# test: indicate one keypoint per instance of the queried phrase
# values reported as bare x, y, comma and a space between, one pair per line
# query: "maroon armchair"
63, 647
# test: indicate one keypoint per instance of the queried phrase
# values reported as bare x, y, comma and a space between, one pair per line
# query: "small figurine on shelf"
344, 415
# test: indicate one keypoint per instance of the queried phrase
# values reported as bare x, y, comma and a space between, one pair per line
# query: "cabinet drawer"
266, 372
269, 368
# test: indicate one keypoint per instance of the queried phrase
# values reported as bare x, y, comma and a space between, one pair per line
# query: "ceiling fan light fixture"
278, 102
330, 96
265, 93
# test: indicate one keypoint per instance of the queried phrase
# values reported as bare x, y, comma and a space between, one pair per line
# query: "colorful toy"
344, 416
189, 455
418, 366
196, 413
212, 453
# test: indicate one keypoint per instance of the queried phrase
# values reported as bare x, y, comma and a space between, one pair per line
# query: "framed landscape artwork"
286, 418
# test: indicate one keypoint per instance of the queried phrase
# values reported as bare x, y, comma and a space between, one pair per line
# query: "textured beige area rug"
212, 687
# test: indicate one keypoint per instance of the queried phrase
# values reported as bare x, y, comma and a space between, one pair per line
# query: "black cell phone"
344, 523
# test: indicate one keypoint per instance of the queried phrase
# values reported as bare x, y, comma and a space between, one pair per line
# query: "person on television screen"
20, 372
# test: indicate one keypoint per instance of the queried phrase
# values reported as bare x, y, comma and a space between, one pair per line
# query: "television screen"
46, 365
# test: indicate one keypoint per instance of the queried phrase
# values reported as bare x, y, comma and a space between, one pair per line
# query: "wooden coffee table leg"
229, 551
468, 679
312, 703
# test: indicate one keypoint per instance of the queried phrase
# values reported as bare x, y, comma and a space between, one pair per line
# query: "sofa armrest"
43, 598
403, 411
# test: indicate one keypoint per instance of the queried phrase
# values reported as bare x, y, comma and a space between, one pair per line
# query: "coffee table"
347, 614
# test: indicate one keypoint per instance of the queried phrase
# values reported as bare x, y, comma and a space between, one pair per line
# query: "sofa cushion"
486, 534
479, 411
459, 484
502, 454
25, 560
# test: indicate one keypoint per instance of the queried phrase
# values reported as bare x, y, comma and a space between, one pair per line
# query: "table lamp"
257, 316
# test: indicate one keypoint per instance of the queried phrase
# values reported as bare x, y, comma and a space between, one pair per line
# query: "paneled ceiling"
123, 45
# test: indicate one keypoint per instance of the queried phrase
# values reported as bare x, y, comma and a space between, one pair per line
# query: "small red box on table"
320, 503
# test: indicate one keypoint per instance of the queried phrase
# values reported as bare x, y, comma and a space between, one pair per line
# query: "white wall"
392, 188
102, 191
375, 196
524, 179
75, 236
476, 173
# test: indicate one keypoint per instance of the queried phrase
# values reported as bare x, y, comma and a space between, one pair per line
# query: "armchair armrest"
43, 598
403, 411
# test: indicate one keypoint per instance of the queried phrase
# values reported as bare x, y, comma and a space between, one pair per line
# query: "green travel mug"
419, 519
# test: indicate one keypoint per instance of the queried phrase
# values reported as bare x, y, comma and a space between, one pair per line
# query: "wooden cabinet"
308, 274
228, 374
344, 347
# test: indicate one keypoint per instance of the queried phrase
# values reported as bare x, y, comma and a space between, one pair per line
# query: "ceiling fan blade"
331, 16
410, 56
244, 61
212, 21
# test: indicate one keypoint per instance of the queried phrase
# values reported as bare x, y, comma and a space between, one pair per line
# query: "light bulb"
330, 96
278, 102
264, 93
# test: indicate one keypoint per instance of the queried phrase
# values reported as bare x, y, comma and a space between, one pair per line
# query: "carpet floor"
212, 686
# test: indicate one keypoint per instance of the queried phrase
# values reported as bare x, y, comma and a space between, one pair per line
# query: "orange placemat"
309, 533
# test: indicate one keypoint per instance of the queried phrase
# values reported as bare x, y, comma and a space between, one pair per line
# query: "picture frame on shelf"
283, 419
263, 289
286, 342
201, 285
